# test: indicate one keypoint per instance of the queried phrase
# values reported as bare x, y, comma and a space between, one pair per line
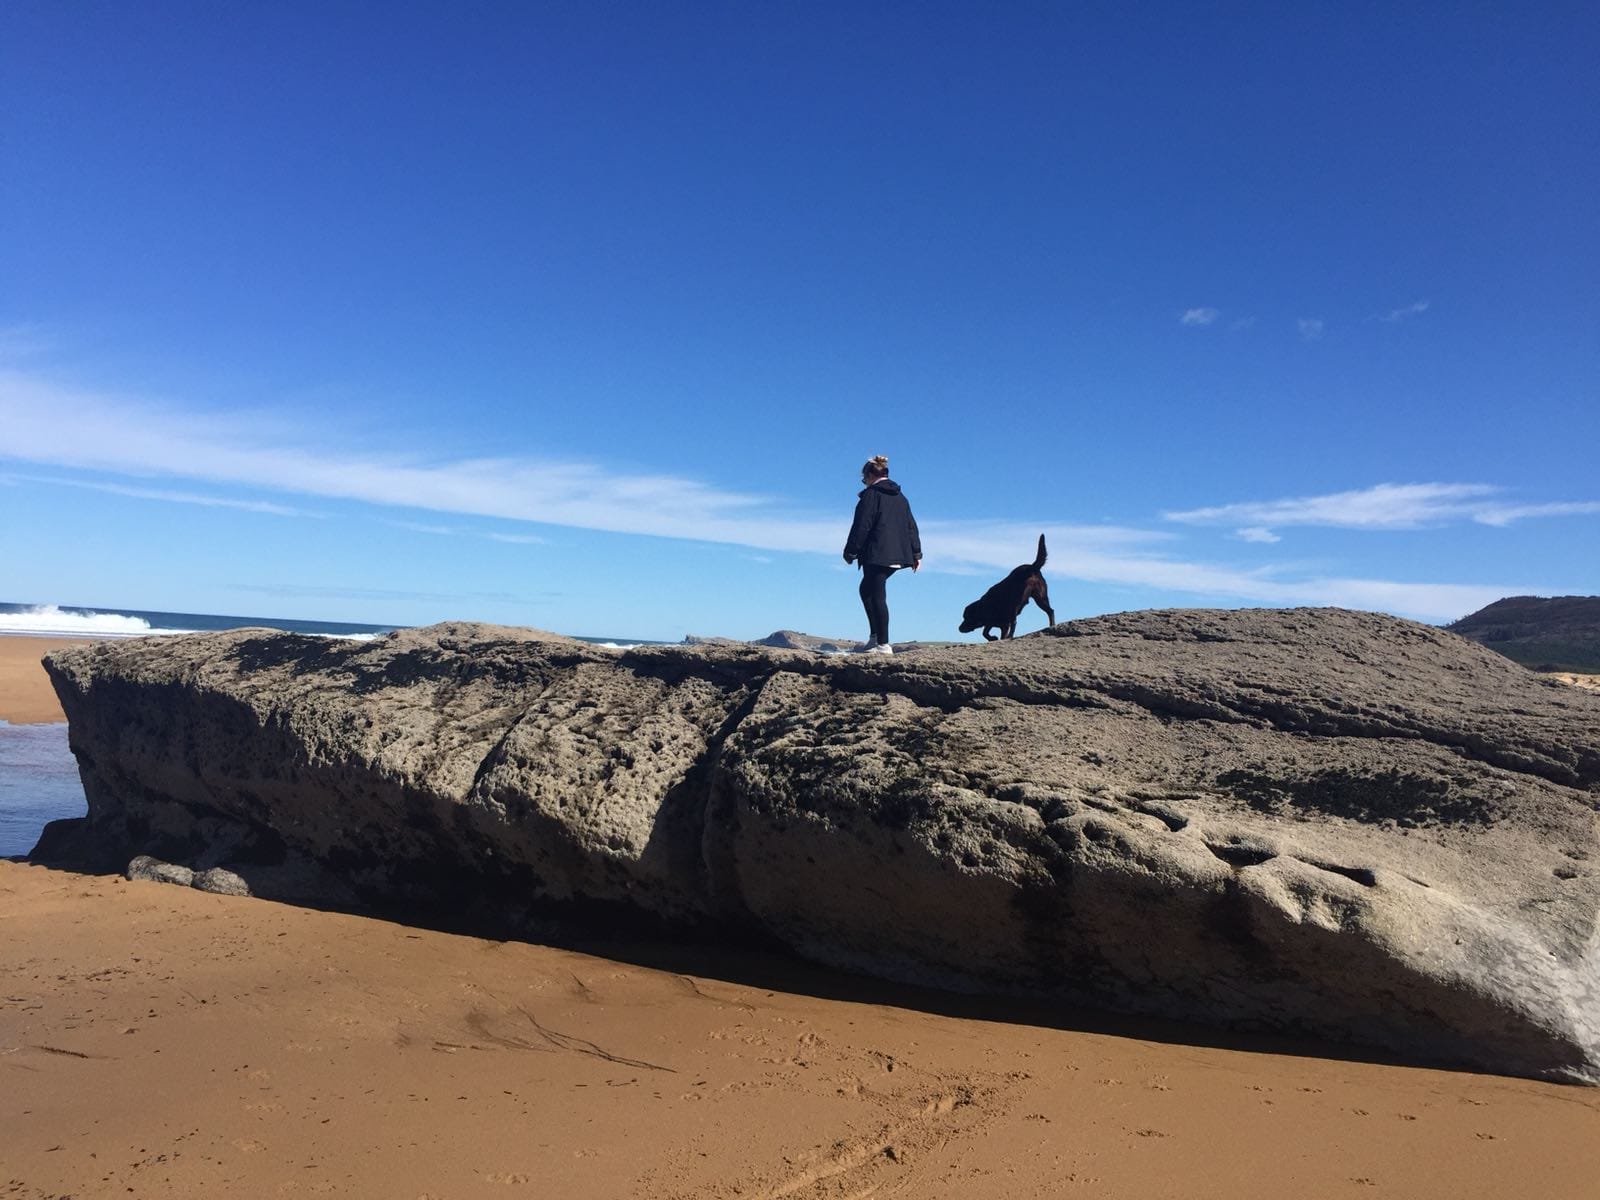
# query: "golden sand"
160, 1041
26, 696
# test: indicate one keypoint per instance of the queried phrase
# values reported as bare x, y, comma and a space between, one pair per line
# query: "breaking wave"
47, 620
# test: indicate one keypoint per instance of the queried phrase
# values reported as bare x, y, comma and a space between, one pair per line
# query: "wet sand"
159, 1041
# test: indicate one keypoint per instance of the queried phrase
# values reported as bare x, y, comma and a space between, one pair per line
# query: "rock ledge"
1310, 820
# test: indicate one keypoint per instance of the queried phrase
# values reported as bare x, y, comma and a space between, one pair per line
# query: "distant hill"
1546, 633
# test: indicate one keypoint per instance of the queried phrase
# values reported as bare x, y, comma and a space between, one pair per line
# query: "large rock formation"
1310, 820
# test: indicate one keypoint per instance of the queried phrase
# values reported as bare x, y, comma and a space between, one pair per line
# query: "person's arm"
916, 541
861, 526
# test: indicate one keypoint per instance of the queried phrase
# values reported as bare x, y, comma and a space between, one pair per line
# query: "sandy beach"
156, 1040
25, 693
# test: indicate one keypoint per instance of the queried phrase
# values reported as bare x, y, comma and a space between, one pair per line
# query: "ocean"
51, 620
38, 775
38, 783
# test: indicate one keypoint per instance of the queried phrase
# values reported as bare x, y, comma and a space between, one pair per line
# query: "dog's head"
970, 620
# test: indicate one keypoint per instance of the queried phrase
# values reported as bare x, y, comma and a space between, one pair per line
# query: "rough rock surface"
213, 879
784, 639
153, 870
1311, 820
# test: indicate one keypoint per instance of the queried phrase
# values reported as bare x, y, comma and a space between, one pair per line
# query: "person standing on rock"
883, 538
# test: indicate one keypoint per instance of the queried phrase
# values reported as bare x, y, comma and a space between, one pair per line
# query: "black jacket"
884, 532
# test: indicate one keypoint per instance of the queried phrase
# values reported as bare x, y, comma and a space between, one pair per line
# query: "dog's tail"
1039, 562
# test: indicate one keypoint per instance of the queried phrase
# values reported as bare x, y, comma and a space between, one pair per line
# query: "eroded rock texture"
1310, 820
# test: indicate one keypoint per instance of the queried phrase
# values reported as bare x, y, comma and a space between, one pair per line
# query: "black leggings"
875, 600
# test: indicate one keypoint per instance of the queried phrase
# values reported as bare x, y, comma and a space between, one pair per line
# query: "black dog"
1003, 603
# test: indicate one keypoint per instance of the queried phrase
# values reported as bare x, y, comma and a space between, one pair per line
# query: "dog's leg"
991, 637
1042, 599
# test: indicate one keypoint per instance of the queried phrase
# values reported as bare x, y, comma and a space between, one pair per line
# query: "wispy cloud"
136, 492
1311, 328
115, 434
1410, 310
1385, 506
1257, 534
1199, 316
1138, 559
1223, 584
433, 529
22, 340
1506, 514
426, 527
143, 441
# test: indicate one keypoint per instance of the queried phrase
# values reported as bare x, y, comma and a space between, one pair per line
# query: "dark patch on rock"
1404, 798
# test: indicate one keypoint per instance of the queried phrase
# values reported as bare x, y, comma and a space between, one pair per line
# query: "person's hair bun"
878, 464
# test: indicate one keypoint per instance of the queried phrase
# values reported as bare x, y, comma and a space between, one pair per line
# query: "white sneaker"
883, 649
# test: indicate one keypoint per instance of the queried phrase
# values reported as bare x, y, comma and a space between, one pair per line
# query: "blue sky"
585, 315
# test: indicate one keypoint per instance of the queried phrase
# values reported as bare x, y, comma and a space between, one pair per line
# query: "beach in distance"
26, 697
157, 1040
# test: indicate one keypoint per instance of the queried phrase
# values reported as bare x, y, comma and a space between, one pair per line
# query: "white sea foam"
46, 620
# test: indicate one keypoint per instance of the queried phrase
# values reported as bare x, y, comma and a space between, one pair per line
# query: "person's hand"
848, 557
916, 565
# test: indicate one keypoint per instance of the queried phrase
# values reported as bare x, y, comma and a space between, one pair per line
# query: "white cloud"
1256, 534
1385, 506
971, 547
118, 435
114, 434
148, 493
1422, 601
1311, 328
1410, 310
1131, 558
436, 530
1199, 316
423, 527
1505, 514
